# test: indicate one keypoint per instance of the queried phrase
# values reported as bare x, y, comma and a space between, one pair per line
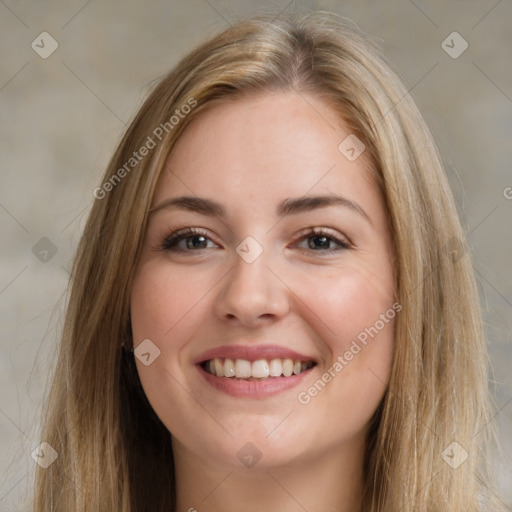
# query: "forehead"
265, 147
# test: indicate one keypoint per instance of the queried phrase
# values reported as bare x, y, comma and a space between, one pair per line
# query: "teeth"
228, 369
243, 369
276, 368
218, 367
287, 367
260, 369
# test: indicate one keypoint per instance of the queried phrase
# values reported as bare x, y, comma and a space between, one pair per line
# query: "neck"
331, 482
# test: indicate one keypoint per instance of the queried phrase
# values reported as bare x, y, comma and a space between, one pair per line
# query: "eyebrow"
290, 206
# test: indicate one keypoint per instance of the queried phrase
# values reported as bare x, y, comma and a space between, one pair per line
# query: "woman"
272, 304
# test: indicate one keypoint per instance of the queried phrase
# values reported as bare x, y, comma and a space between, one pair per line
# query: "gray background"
61, 117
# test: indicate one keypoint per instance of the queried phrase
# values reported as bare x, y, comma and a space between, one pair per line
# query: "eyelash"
171, 241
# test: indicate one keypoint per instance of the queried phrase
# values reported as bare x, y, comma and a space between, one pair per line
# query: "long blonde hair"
114, 454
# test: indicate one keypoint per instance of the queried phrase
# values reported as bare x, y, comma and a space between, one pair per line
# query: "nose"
252, 294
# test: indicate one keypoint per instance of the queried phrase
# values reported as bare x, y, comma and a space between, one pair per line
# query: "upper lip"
252, 353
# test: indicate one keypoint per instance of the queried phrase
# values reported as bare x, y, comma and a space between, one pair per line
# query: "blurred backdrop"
72, 74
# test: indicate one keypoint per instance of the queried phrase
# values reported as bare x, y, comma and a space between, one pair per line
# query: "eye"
194, 240
321, 240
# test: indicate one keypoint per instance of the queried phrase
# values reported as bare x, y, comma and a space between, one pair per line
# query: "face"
251, 273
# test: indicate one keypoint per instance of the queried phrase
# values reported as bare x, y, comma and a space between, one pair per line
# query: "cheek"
356, 322
353, 312
165, 302
348, 303
166, 306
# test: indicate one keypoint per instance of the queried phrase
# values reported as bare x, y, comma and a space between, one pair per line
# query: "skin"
249, 155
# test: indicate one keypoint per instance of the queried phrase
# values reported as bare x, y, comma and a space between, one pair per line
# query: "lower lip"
254, 388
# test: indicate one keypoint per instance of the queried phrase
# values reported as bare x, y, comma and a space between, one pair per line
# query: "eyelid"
177, 235
320, 230
170, 241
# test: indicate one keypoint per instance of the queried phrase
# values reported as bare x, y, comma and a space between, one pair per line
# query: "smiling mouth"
261, 369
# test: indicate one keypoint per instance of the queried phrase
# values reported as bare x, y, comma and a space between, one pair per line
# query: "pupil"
324, 242
194, 239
